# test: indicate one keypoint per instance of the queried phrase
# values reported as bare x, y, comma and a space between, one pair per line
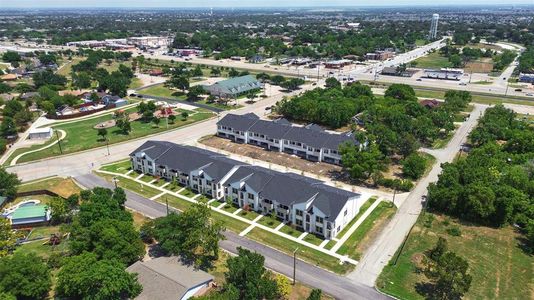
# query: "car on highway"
463, 83
518, 90
530, 94
419, 79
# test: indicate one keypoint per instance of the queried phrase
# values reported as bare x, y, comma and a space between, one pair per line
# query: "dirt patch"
378, 225
417, 260
478, 67
65, 188
283, 159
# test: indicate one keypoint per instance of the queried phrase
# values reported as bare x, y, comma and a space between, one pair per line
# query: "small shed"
40, 133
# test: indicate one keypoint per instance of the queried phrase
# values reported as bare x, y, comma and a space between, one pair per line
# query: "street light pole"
107, 145
59, 142
295, 265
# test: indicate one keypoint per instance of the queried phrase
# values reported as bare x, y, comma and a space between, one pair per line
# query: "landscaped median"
81, 135
265, 229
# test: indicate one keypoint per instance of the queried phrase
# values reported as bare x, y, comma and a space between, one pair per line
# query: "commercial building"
150, 41
166, 278
234, 87
310, 142
380, 55
40, 133
433, 34
444, 73
395, 71
338, 64
307, 203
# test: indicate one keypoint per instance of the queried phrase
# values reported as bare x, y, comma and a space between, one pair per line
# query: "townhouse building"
307, 203
311, 142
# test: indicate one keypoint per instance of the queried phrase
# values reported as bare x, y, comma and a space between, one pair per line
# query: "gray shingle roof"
166, 278
235, 85
284, 188
312, 135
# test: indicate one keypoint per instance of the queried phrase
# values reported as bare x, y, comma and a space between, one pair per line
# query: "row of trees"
494, 184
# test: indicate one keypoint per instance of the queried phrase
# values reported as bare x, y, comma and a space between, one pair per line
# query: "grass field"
82, 136
131, 185
308, 254
61, 186
370, 227
433, 61
364, 207
500, 269
120, 167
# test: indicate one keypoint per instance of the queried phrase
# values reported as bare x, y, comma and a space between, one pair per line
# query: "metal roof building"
234, 87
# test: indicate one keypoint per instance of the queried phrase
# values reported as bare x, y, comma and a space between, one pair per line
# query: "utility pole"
167, 204
115, 181
59, 142
394, 194
107, 145
295, 265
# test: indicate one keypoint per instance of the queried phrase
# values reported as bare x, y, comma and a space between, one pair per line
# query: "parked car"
518, 90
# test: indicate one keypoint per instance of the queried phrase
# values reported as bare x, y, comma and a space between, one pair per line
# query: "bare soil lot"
278, 158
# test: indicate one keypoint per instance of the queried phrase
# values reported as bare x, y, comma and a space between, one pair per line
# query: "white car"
530, 94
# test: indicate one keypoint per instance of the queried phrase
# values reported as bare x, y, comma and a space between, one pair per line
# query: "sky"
243, 3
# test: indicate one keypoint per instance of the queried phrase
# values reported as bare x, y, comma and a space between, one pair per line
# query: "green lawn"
378, 216
119, 167
269, 222
364, 207
61, 186
136, 83
251, 215
82, 136
290, 231
330, 244
188, 193
433, 61
313, 239
229, 208
41, 250
500, 269
229, 222
310, 255
159, 90
147, 178
175, 202
131, 185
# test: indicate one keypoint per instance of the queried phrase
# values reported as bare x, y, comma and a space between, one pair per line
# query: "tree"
283, 286
456, 60
233, 73
332, 83
86, 277
124, 125
184, 115
103, 132
448, 276
103, 226
197, 241
156, 121
315, 294
197, 72
246, 272
9, 183
8, 127
195, 92
11, 56
25, 276
414, 166
172, 118
361, 164
214, 72
437, 252
48, 77
8, 237
81, 80
401, 92
4, 88
180, 82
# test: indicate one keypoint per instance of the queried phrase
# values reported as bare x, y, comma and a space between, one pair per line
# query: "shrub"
454, 231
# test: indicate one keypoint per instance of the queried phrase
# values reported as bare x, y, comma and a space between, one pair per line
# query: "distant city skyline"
247, 3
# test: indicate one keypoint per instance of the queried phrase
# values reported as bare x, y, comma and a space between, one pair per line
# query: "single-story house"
428, 103
30, 215
40, 133
166, 278
234, 87
117, 101
156, 72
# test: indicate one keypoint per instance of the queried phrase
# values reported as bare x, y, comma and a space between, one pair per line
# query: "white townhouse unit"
311, 142
306, 203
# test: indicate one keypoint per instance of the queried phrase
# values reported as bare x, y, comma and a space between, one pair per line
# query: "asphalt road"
390, 239
338, 286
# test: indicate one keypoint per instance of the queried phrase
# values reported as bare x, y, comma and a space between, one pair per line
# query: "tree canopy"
24, 276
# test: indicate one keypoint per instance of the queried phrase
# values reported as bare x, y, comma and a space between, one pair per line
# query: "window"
299, 212
345, 213
318, 219
338, 228
251, 196
234, 190
307, 218
299, 222
319, 229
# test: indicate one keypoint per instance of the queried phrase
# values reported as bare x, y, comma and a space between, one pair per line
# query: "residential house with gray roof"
305, 202
311, 142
